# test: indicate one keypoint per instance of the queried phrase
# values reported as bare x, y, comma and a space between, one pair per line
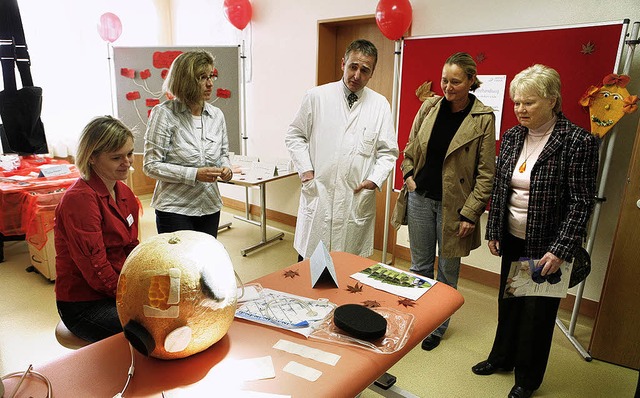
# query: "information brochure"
525, 279
395, 281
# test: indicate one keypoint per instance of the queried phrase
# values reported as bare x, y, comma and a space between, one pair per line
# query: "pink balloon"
394, 17
110, 27
238, 12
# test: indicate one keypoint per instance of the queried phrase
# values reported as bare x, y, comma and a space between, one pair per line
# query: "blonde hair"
183, 80
468, 65
541, 80
100, 135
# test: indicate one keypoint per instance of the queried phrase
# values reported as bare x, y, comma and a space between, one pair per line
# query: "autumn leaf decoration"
588, 48
406, 302
354, 289
424, 91
291, 274
371, 303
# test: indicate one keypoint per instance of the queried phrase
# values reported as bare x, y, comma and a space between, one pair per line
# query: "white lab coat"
343, 147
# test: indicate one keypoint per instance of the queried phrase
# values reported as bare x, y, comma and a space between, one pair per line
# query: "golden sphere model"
176, 294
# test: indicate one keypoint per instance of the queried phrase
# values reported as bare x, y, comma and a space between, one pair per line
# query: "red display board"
582, 55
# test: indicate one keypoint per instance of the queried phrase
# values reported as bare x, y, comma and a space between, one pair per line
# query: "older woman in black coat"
542, 199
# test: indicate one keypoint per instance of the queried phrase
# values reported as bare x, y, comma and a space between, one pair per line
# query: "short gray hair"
541, 80
362, 46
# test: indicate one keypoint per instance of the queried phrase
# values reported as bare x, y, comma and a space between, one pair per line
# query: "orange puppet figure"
608, 103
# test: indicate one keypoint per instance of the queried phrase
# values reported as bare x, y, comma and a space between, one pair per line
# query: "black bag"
19, 109
581, 266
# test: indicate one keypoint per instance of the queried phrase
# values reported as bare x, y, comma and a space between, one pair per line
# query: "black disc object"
139, 337
360, 321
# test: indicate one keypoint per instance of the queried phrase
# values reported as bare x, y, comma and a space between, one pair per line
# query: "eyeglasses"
212, 77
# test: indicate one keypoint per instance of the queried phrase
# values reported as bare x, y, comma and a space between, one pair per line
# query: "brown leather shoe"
485, 368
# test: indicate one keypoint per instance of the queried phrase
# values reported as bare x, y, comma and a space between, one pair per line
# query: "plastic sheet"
286, 311
27, 202
38, 214
399, 328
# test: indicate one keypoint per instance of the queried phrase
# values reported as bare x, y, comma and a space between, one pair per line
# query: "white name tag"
130, 219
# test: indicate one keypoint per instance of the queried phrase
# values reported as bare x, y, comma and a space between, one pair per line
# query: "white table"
250, 180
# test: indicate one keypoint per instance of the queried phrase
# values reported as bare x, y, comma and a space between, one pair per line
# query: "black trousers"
171, 222
90, 320
525, 326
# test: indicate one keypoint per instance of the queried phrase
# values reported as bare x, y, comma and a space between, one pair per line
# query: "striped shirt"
174, 149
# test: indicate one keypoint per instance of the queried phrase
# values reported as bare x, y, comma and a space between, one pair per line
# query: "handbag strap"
13, 46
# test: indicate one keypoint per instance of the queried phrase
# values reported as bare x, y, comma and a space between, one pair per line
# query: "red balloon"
238, 12
110, 27
394, 17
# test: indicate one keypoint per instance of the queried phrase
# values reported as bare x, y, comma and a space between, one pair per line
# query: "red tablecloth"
27, 205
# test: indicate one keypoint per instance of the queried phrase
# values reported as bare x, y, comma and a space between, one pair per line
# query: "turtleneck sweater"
535, 141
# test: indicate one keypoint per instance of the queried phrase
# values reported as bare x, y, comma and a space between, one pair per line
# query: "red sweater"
93, 236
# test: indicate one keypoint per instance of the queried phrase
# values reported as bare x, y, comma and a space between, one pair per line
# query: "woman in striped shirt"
187, 149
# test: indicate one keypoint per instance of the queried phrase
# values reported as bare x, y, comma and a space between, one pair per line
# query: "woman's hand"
209, 174
226, 174
550, 263
411, 185
465, 229
494, 247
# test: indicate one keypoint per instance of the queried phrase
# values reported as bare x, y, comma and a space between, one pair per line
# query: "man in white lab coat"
343, 146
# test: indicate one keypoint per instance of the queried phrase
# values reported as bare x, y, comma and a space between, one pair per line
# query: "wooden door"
333, 38
139, 182
616, 331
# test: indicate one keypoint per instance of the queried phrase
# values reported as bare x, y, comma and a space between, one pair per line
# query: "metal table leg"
247, 207
224, 226
263, 224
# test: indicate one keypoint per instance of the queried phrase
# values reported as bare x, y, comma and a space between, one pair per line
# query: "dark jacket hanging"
22, 127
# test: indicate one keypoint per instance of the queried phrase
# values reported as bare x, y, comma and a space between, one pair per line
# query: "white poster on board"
491, 93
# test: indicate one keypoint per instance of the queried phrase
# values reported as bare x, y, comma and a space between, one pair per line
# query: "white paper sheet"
303, 371
307, 352
491, 93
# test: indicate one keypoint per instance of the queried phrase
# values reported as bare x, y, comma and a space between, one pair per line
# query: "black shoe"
485, 368
520, 392
431, 342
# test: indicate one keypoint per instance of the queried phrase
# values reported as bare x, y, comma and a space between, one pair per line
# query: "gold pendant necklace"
523, 166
